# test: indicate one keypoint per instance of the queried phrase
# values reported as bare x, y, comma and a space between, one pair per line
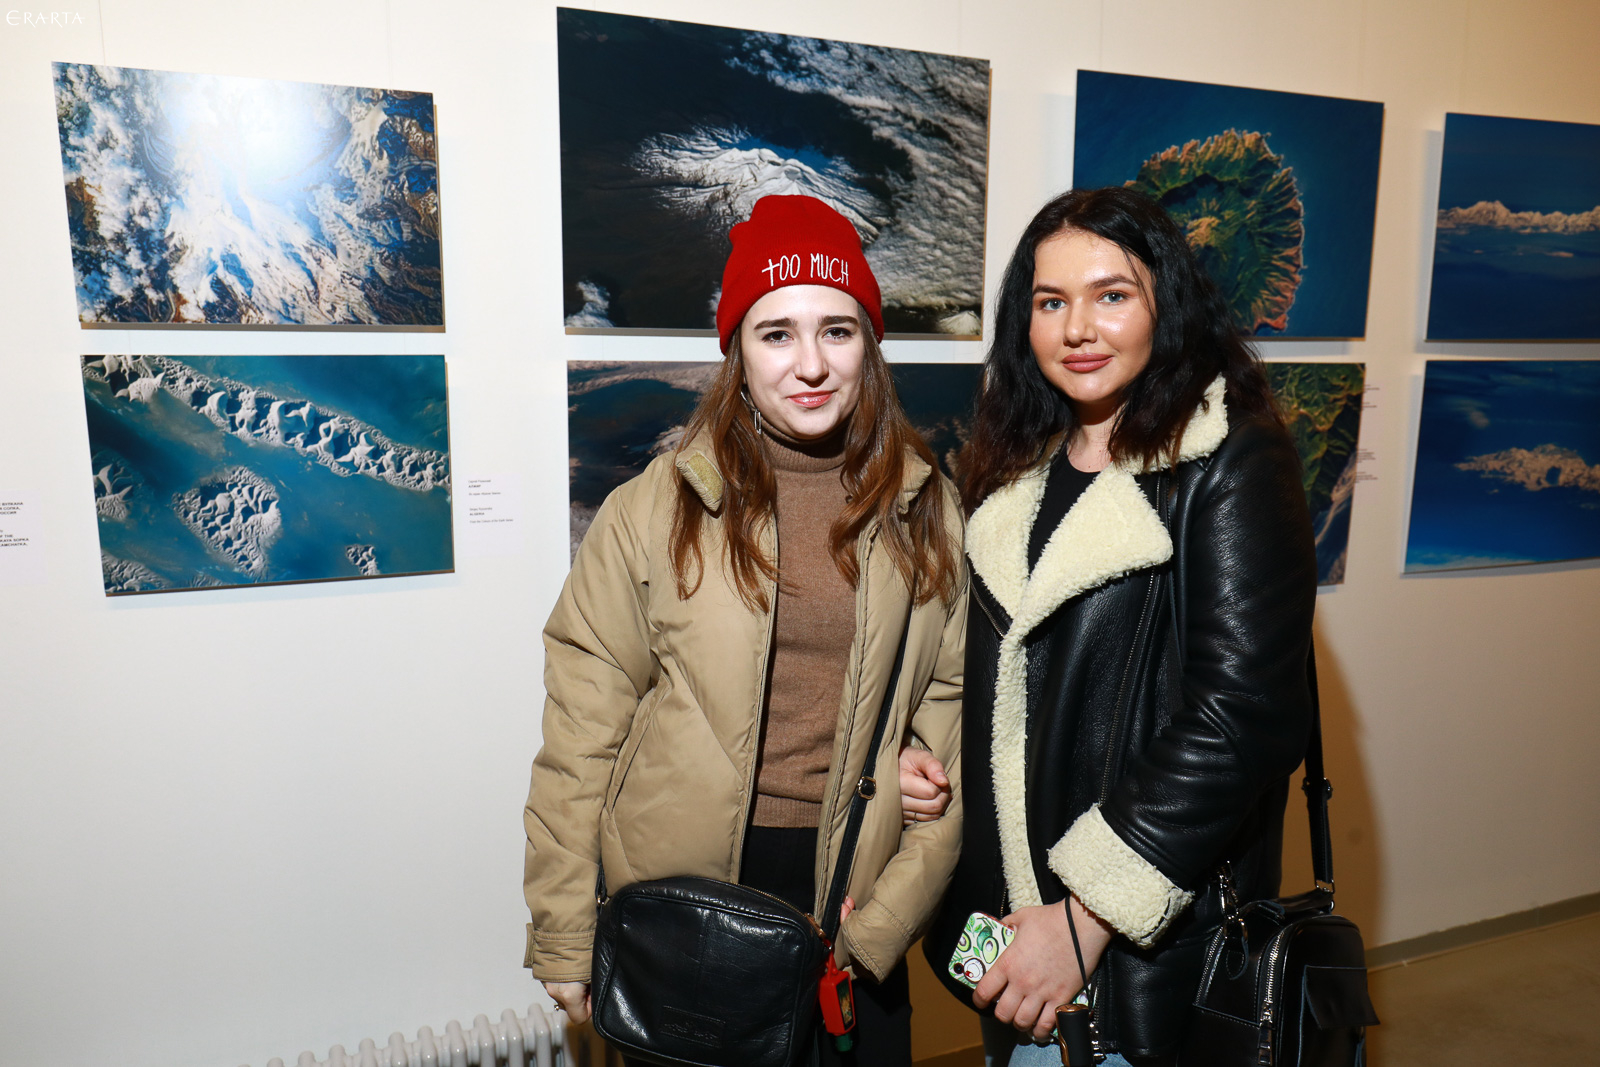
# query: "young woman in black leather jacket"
1136, 691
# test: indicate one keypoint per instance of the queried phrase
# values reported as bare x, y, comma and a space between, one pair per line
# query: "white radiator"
538, 1039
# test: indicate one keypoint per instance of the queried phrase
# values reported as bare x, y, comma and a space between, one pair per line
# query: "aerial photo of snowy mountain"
622, 415
1278, 192
1321, 402
1516, 248
240, 470
1508, 464
197, 198
670, 132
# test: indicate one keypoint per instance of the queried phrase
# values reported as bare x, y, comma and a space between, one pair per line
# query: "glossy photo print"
1516, 249
245, 470
671, 131
1321, 403
1508, 464
1277, 191
620, 416
195, 198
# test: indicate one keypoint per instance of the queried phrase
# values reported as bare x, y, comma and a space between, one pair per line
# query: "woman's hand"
572, 998
924, 787
1038, 971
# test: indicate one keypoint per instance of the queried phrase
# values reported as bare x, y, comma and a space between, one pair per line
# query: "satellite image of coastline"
620, 416
1508, 464
198, 198
670, 132
1277, 192
1516, 250
1322, 404
215, 471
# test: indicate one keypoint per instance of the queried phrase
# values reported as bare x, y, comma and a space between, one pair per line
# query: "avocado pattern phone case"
982, 940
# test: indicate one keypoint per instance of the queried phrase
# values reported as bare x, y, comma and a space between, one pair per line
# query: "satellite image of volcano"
670, 132
196, 198
1241, 211
1277, 192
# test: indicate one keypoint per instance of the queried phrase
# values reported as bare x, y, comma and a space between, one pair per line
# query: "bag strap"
866, 789
1317, 788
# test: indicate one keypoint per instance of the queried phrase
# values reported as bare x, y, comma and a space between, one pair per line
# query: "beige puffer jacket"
653, 718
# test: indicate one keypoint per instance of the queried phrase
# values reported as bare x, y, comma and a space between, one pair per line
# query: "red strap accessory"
837, 999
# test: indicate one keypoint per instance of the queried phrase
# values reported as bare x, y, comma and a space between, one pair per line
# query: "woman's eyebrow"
835, 320
787, 324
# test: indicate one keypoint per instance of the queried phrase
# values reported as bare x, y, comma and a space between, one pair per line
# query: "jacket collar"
1111, 531
697, 465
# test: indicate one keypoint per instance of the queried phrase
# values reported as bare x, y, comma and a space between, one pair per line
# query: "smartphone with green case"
982, 940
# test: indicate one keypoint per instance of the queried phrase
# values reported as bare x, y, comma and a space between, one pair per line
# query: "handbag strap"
1317, 788
866, 789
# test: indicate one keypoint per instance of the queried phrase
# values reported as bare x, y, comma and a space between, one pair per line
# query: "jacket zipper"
836, 772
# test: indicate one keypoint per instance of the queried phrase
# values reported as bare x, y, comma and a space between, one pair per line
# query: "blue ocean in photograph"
1508, 464
240, 470
198, 198
622, 415
670, 132
1516, 252
1277, 192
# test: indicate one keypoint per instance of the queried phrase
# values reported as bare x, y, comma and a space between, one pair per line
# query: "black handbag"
1285, 981
700, 972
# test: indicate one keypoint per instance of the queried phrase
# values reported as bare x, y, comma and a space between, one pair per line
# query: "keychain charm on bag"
837, 999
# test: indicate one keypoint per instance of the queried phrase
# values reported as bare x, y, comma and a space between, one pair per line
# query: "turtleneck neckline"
804, 457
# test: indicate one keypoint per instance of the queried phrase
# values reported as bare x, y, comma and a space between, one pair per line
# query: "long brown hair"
877, 438
1195, 339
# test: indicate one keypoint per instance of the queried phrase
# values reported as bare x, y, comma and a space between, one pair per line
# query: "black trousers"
779, 860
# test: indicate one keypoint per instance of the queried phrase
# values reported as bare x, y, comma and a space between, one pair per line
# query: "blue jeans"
1001, 1048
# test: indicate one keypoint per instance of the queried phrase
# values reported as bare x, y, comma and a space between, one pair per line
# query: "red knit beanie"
793, 240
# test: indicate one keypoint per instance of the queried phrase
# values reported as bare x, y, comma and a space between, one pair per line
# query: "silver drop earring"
757, 413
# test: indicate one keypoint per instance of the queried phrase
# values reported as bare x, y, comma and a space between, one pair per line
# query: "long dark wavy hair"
1018, 411
877, 438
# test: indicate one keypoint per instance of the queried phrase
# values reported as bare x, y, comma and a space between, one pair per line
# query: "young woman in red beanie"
719, 655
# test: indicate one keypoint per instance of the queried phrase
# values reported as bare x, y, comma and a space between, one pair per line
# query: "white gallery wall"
237, 824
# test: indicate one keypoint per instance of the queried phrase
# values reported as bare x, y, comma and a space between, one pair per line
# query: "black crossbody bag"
1285, 980
699, 972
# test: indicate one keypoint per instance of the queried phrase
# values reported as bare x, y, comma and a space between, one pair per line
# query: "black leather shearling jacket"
1174, 696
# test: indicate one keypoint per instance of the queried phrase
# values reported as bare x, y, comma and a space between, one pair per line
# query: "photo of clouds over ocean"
671, 131
195, 198
1508, 464
1516, 254
242, 470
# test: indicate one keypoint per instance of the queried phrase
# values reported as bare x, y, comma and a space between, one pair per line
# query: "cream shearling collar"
1109, 532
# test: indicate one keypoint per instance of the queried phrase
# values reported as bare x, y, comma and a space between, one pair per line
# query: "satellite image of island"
670, 132
195, 198
1277, 192
1508, 464
1321, 402
217, 471
620, 416
1516, 249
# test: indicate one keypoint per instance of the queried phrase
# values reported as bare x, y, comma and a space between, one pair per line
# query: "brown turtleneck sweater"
814, 627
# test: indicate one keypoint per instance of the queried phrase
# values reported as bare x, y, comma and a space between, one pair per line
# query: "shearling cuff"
1114, 881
